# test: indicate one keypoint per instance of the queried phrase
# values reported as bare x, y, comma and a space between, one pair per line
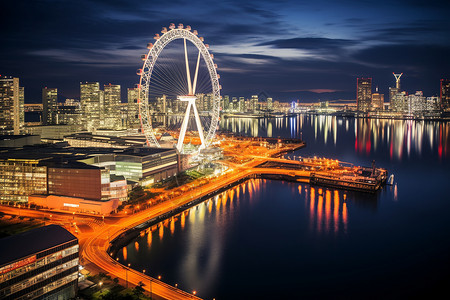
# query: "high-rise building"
417, 103
133, 107
269, 104
226, 102
399, 102
363, 94
433, 104
91, 106
9, 105
254, 103
21, 108
49, 106
240, 106
445, 94
69, 113
41, 263
111, 105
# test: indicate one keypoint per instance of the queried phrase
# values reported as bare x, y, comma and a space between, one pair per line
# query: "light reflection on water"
403, 138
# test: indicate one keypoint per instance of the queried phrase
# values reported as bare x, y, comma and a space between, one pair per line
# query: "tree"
139, 290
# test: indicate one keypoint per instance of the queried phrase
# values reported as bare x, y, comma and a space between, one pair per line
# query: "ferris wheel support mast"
191, 99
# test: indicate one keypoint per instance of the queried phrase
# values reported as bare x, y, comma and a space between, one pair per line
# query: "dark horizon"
289, 50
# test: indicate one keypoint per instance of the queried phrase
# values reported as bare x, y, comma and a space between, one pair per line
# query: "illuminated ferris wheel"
166, 89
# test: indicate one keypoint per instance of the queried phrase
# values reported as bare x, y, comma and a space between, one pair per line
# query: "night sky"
290, 50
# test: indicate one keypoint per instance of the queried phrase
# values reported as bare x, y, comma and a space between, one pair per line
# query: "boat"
360, 179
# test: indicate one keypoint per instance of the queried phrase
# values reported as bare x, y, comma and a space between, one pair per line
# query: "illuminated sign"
18, 264
71, 205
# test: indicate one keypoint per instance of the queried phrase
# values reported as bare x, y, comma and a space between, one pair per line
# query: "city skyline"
289, 50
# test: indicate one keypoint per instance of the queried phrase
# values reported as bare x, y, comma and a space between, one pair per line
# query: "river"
269, 239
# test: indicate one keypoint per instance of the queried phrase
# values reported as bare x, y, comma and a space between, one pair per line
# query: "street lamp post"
126, 273
150, 281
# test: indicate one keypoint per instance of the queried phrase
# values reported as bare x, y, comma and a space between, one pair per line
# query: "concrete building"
10, 116
41, 263
49, 106
363, 94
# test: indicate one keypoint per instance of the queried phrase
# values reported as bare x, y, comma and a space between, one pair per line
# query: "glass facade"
20, 178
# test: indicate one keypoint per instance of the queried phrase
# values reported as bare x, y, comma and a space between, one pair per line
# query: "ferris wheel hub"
190, 98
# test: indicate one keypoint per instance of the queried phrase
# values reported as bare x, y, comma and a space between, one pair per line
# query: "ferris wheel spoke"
187, 68
196, 73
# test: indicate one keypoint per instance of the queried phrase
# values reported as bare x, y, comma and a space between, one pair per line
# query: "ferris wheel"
166, 90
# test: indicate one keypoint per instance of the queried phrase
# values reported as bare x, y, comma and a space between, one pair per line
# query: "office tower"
378, 100
399, 102
111, 106
21, 108
445, 94
9, 105
240, 106
254, 103
392, 92
49, 106
41, 263
433, 104
269, 104
363, 93
133, 108
226, 102
417, 103
91, 105
69, 113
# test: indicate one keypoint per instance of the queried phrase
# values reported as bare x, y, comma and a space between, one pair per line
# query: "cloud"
310, 43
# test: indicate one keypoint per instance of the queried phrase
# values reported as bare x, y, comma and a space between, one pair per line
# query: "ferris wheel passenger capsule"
139, 72
164, 30
172, 26
220, 87
195, 32
201, 39
207, 46
188, 27
212, 55
218, 76
156, 36
215, 66
180, 26
144, 56
149, 46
